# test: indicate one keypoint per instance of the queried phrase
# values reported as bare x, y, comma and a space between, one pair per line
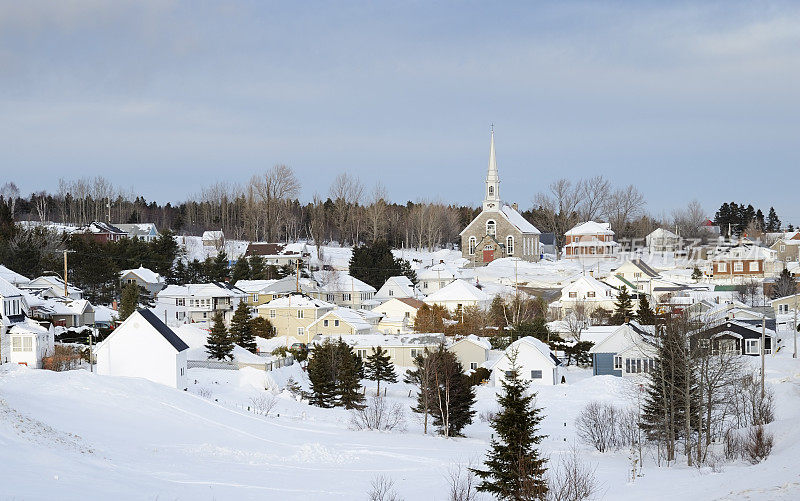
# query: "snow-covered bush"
757, 445
263, 404
597, 425
462, 483
382, 489
378, 414
571, 479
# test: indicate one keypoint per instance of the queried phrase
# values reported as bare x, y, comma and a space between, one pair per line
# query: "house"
341, 321
99, 231
342, 289
734, 336
288, 285
213, 238
291, 315
661, 240
143, 277
590, 240
785, 305
402, 349
143, 231
71, 312
588, 293
636, 273
277, 254
51, 286
741, 261
143, 346
787, 248
257, 291
12, 312
434, 277
472, 351
459, 294
536, 363
13, 277
499, 230
398, 314
398, 287
27, 343
198, 302
630, 350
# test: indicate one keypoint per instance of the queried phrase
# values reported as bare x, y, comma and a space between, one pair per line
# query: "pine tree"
261, 327
219, 345
421, 376
322, 374
379, 367
178, 274
514, 468
348, 381
784, 286
257, 268
623, 307
453, 397
241, 270
645, 314
129, 302
696, 273
241, 328
773, 223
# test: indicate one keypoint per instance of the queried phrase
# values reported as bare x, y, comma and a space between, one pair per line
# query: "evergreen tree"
379, 367
219, 344
261, 327
785, 285
453, 396
258, 269
514, 468
164, 251
645, 314
536, 328
178, 275
623, 307
129, 302
348, 381
422, 376
242, 329
216, 269
241, 270
374, 263
321, 370
195, 272
696, 273
773, 223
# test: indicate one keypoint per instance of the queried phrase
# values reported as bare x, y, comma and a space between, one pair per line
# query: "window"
491, 190
414, 353
361, 353
324, 323
590, 294
573, 294
182, 369
509, 374
301, 331
424, 285
753, 265
272, 314
536, 374
510, 245
16, 344
391, 292
406, 314
255, 298
472, 243
637, 275
473, 365
738, 266
300, 314
783, 248
705, 343
336, 323
347, 297
180, 302
722, 267
330, 298
491, 227
751, 346
130, 281
618, 363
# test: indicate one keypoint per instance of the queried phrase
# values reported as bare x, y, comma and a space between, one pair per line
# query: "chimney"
514, 206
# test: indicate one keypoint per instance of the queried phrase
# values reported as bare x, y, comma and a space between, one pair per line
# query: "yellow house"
340, 322
292, 315
257, 291
472, 351
398, 314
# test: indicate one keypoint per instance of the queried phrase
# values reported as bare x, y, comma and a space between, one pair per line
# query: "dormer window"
491, 227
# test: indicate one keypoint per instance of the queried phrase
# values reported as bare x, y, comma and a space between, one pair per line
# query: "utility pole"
763, 335
66, 292
91, 365
516, 277
297, 265
794, 355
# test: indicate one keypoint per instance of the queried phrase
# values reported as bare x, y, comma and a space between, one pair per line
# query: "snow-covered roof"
350, 316
458, 290
386, 340
12, 276
336, 281
516, 219
746, 252
252, 286
145, 274
534, 343
213, 235
588, 281
297, 301
139, 229
28, 326
661, 233
476, 340
440, 271
591, 228
72, 307
200, 290
7, 289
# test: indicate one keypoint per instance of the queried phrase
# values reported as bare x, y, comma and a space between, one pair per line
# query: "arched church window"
491, 227
491, 190
510, 245
472, 244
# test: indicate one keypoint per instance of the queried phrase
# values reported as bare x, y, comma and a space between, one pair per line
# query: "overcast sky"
684, 100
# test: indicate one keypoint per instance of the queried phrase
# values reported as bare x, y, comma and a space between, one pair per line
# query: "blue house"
628, 351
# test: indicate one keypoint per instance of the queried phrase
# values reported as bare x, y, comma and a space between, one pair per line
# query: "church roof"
516, 219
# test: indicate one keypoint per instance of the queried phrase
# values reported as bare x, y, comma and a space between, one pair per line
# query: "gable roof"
513, 217
457, 290
591, 282
412, 302
7, 289
661, 233
533, 343
334, 281
742, 329
12, 276
145, 274
162, 329
591, 228
347, 315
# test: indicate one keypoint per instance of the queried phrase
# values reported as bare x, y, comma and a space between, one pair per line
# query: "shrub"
64, 358
461, 481
479, 375
571, 479
263, 404
597, 425
382, 489
378, 414
757, 444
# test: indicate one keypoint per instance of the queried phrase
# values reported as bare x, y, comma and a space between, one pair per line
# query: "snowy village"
493, 331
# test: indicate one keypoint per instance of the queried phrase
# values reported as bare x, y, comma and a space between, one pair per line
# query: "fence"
224, 365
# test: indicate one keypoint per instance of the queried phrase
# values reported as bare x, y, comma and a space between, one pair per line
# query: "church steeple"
491, 199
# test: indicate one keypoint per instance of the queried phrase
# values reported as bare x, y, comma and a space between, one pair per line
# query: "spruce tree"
645, 314
348, 380
514, 468
241, 270
129, 302
422, 377
257, 268
322, 374
261, 327
241, 328
453, 397
696, 273
773, 223
379, 367
784, 286
623, 307
219, 344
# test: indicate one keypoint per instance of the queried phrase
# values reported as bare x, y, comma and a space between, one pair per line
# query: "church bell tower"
491, 198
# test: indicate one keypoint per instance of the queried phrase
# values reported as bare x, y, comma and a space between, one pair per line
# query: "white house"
472, 351
198, 302
628, 351
397, 287
459, 294
146, 278
661, 240
398, 314
51, 286
435, 277
143, 231
342, 289
213, 238
586, 292
28, 343
535, 362
143, 346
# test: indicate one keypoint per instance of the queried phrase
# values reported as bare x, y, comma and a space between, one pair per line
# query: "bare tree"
571, 479
274, 188
382, 489
594, 193
560, 207
378, 414
622, 206
316, 227
346, 192
9, 192
462, 483
376, 212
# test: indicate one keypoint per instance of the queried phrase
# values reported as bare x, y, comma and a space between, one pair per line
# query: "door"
488, 254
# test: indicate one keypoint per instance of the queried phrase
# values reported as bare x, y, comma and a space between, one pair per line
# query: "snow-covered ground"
76, 435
